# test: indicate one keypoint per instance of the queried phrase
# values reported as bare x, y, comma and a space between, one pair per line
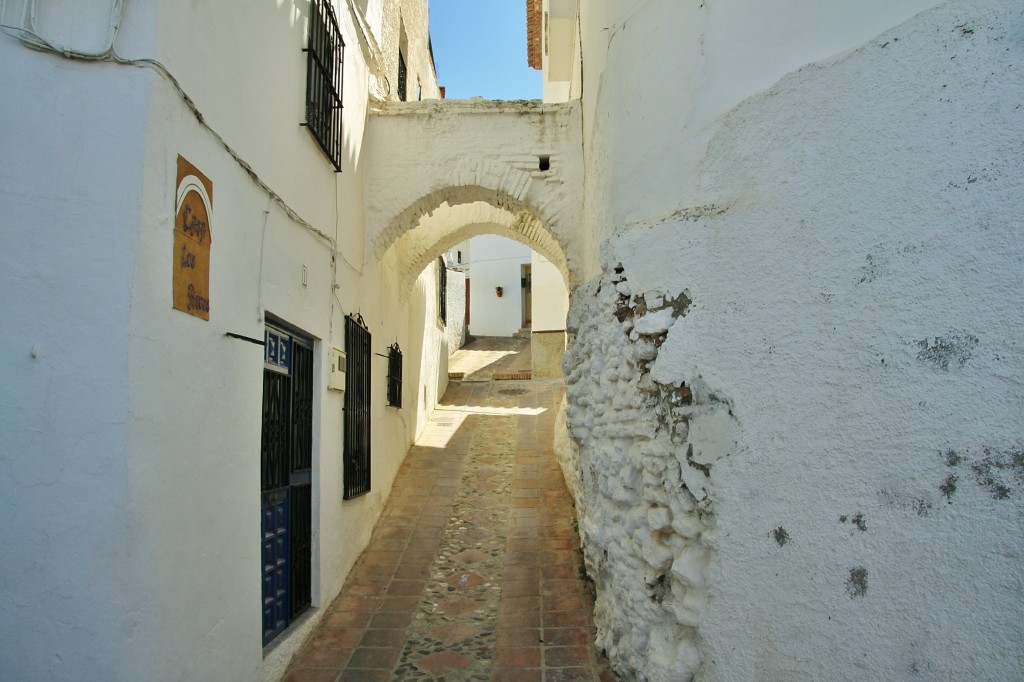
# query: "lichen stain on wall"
997, 471
645, 484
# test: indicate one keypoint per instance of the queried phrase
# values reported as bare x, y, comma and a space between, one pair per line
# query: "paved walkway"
474, 571
487, 357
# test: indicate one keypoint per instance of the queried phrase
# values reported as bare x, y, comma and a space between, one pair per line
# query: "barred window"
403, 77
356, 455
395, 375
324, 60
442, 290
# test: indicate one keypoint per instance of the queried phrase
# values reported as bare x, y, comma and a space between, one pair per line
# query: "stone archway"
438, 170
435, 230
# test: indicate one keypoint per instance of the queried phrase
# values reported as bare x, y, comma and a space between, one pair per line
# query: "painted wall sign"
192, 239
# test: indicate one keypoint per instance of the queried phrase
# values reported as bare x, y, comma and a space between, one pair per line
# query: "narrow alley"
474, 570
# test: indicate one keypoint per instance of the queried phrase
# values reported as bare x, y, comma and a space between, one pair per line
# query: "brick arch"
439, 221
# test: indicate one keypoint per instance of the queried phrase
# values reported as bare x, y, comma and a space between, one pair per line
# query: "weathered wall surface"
798, 398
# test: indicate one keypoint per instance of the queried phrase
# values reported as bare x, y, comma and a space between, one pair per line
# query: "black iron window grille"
403, 78
356, 455
442, 291
324, 76
395, 375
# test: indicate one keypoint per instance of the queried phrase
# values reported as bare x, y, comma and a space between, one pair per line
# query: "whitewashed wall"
661, 74
550, 297
796, 385
496, 261
138, 556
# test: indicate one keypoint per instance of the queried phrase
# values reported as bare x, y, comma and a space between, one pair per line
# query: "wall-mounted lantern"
499, 291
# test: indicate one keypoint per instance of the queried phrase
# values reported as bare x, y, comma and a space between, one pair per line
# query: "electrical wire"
28, 33
30, 37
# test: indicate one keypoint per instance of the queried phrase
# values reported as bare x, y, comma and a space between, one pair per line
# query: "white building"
499, 286
164, 147
796, 375
791, 236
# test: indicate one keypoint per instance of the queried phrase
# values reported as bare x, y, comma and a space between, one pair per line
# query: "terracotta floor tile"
398, 604
443, 662
569, 675
523, 675
406, 588
530, 619
325, 655
567, 657
519, 637
519, 605
563, 603
391, 619
348, 619
383, 638
565, 636
311, 675
374, 657
357, 675
517, 657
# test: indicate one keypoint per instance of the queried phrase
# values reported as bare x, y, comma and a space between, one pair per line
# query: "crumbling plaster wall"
796, 404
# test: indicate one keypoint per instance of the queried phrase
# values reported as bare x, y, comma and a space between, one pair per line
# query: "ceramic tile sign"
192, 239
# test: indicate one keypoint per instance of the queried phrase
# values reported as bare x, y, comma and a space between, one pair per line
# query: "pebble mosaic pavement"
473, 571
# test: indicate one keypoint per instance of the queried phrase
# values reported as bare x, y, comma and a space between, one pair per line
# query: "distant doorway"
526, 284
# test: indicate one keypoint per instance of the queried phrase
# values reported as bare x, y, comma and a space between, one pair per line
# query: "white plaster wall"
550, 297
797, 395
138, 556
496, 261
660, 74
67, 259
455, 329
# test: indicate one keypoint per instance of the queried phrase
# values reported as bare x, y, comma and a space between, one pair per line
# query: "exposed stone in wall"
642, 474
853, 275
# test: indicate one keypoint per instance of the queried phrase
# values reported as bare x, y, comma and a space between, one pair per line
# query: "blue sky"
480, 49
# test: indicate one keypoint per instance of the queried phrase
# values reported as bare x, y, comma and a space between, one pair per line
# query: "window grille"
403, 77
357, 408
324, 76
442, 290
395, 375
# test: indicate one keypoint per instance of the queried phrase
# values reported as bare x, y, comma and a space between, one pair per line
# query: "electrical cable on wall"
29, 36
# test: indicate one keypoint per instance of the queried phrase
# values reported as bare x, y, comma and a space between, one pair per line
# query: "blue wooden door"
276, 549
286, 478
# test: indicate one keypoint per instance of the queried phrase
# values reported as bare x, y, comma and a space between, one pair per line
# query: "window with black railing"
395, 375
324, 76
356, 454
403, 78
442, 291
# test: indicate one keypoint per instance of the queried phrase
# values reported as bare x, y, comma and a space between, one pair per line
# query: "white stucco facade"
795, 382
496, 262
133, 430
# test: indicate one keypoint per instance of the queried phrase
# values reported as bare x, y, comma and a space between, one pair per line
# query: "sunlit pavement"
474, 571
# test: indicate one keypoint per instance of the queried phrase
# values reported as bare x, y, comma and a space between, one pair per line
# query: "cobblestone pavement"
473, 572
